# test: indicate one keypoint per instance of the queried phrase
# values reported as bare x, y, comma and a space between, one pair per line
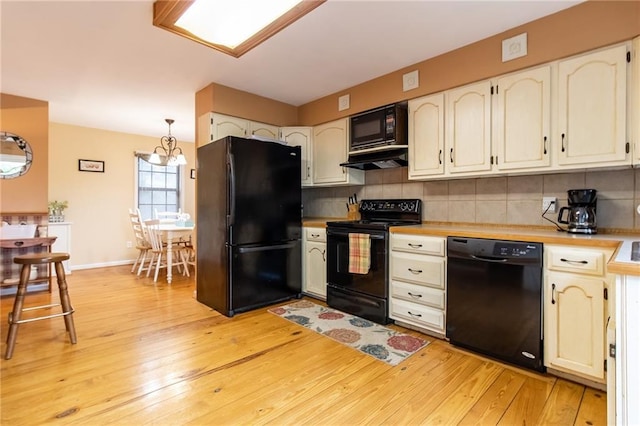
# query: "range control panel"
400, 206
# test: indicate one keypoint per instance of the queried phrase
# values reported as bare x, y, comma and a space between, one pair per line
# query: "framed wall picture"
91, 166
193, 173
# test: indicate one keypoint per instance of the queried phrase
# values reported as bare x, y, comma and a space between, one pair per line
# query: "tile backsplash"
501, 200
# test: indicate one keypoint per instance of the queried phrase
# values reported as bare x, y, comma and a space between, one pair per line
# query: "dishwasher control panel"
481, 248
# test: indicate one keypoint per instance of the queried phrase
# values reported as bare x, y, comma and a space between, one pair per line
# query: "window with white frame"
158, 188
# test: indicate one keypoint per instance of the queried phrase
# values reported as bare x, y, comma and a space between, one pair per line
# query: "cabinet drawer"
418, 269
581, 261
418, 244
315, 234
419, 315
418, 294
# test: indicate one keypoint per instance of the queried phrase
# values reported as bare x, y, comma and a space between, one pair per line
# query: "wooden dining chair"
159, 251
142, 244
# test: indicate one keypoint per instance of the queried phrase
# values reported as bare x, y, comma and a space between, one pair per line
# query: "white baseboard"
101, 265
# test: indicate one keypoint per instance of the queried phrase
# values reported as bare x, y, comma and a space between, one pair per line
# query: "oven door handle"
346, 234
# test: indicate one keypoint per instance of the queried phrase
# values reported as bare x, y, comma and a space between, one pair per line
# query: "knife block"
353, 213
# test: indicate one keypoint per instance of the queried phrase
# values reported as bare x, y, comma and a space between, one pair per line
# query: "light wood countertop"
620, 263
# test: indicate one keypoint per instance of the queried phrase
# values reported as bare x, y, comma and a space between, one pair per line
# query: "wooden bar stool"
15, 316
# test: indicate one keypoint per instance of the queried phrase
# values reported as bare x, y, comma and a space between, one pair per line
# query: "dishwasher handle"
489, 258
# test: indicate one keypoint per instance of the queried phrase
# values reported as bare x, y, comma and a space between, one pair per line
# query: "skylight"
230, 26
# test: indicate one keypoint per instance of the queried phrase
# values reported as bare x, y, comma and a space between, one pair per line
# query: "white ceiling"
103, 64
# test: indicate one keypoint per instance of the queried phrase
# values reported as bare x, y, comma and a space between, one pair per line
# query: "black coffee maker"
581, 213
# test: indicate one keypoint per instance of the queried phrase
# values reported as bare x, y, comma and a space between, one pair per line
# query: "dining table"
171, 232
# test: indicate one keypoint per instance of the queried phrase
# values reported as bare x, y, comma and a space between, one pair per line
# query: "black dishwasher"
494, 299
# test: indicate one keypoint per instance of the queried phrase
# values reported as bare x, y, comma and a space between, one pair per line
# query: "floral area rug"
373, 339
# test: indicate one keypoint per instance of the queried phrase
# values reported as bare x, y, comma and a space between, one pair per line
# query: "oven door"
373, 283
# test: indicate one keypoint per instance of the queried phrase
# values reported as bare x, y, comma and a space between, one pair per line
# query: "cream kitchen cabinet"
302, 137
468, 129
264, 130
522, 120
214, 126
592, 109
417, 277
575, 310
315, 262
426, 136
634, 124
330, 149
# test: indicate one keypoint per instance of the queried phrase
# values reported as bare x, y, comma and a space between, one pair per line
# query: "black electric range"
365, 294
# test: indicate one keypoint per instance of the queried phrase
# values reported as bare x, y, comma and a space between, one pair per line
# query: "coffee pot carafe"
581, 212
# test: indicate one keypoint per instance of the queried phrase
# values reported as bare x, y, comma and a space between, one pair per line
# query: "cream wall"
99, 202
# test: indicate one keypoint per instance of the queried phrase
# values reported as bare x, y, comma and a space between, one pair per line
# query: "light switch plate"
410, 81
343, 102
514, 47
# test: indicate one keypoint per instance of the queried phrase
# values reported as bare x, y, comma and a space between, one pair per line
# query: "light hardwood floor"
151, 354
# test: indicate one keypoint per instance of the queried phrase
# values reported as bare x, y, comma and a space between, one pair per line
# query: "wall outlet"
550, 203
129, 244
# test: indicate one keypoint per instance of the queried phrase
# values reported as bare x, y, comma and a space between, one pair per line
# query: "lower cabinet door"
315, 268
574, 324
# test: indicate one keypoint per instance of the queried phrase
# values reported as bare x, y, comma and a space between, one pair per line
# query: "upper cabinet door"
468, 128
300, 136
426, 136
264, 130
522, 120
329, 150
592, 108
224, 125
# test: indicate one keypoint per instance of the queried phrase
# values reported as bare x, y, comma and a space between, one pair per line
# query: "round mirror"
15, 156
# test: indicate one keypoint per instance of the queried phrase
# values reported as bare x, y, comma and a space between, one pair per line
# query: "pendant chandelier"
168, 149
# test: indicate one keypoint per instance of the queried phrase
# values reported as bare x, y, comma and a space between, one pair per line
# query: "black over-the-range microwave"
379, 127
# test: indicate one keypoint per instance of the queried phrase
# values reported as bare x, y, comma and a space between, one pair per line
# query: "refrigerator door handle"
231, 217
265, 248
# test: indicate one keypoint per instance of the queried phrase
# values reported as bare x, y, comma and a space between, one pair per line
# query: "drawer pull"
18, 243
414, 315
415, 271
553, 294
582, 262
414, 245
415, 296
315, 235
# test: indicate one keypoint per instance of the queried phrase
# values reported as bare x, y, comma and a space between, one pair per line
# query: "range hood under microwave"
384, 157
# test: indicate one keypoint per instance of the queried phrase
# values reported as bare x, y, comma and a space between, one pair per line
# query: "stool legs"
15, 317
65, 301
16, 313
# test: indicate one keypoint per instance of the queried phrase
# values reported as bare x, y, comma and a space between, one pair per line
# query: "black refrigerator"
249, 224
